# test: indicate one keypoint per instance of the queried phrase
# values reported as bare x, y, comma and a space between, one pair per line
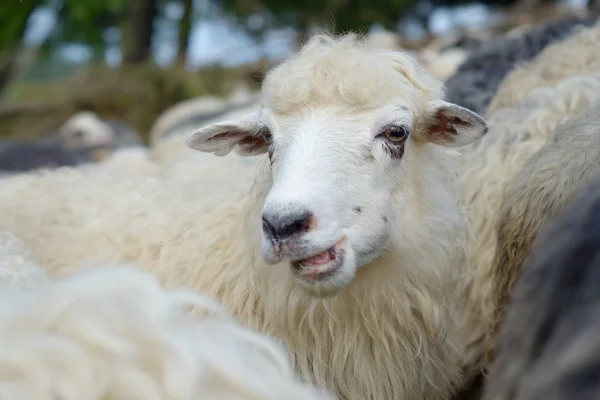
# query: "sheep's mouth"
320, 266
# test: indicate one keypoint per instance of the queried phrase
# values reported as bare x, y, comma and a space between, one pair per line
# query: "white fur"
443, 64
389, 326
112, 332
516, 134
86, 129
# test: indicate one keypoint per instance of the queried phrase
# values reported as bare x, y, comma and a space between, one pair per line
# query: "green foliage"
86, 21
337, 15
13, 21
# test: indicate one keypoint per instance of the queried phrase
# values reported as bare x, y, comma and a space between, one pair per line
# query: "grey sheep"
549, 343
476, 80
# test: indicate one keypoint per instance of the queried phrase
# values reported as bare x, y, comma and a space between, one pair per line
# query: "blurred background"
130, 60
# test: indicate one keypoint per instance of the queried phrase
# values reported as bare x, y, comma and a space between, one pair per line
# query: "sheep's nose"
280, 226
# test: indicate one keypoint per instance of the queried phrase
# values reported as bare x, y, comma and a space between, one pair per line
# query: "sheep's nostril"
268, 229
279, 226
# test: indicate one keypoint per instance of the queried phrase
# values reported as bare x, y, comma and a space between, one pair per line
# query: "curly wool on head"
113, 333
346, 71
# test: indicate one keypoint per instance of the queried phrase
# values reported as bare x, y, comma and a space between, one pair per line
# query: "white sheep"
112, 332
516, 134
353, 201
195, 111
477, 79
576, 54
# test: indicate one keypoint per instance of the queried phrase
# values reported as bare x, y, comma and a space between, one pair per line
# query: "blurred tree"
344, 14
137, 30
13, 23
86, 22
185, 28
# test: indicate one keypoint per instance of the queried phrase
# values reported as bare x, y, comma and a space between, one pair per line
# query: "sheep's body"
192, 113
183, 110
474, 84
573, 55
198, 234
112, 332
547, 185
391, 333
549, 346
516, 134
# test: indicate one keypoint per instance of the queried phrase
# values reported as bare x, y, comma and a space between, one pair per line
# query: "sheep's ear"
451, 125
243, 135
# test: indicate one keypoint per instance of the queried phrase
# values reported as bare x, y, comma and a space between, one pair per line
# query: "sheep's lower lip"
320, 266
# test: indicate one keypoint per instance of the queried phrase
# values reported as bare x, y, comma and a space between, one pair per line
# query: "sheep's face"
347, 131
338, 179
86, 130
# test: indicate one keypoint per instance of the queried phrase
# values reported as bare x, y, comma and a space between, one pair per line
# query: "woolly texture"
392, 333
16, 266
346, 72
474, 84
113, 333
547, 185
516, 134
576, 54
548, 347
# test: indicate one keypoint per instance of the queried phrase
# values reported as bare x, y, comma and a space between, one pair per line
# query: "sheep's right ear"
448, 124
242, 135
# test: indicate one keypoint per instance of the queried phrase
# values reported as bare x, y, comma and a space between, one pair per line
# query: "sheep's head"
86, 130
343, 125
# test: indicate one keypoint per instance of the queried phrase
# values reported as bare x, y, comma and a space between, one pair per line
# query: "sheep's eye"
266, 134
78, 134
396, 133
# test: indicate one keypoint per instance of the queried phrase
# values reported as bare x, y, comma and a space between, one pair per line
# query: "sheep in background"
442, 63
194, 112
82, 138
577, 54
195, 107
546, 186
112, 332
474, 84
549, 342
383, 39
367, 305
516, 134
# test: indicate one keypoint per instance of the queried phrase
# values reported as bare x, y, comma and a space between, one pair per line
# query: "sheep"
16, 265
195, 111
82, 138
576, 54
516, 134
490, 166
443, 64
183, 110
111, 331
476, 80
171, 147
383, 39
547, 184
362, 284
549, 343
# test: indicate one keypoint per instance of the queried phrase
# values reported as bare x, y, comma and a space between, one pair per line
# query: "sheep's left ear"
451, 125
242, 135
